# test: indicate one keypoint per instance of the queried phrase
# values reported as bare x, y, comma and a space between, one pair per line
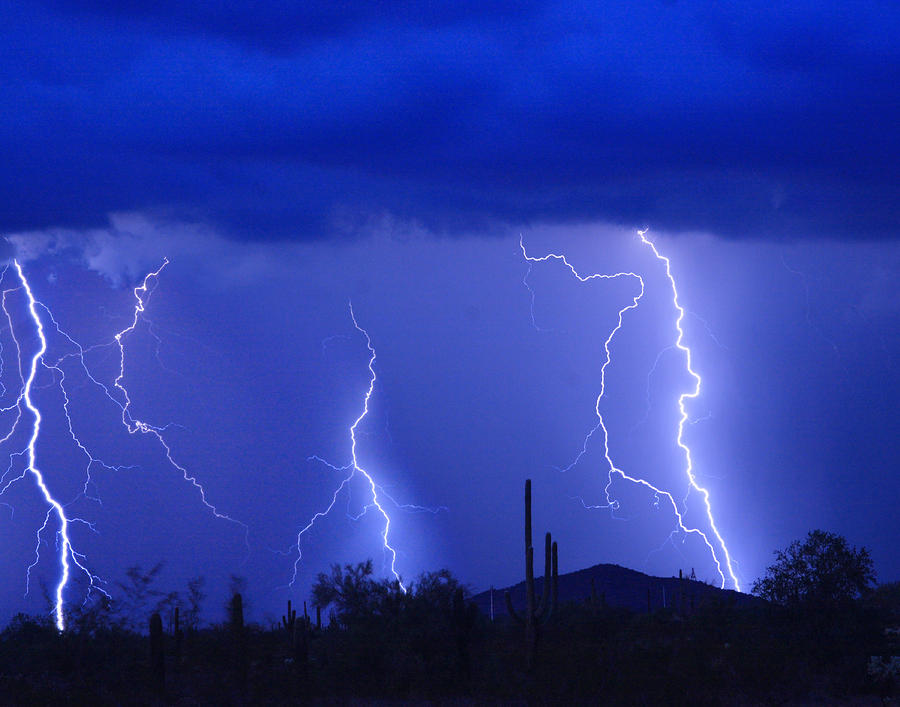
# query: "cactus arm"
529, 583
552, 607
527, 514
511, 611
157, 654
288, 621
554, 597
544, 601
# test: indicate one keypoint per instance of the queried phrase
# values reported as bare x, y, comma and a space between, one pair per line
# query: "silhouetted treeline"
375, 642
820, 633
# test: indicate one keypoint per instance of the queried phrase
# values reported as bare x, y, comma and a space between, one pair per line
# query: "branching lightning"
689, 469
352, 469
133, 425
69, 558
612, 470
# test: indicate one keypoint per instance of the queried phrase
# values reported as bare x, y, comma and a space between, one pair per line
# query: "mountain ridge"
617, 587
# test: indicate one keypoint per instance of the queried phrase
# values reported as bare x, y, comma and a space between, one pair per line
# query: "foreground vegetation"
430, 644
810, 641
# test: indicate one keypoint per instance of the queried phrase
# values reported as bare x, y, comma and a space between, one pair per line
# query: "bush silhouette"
823, 568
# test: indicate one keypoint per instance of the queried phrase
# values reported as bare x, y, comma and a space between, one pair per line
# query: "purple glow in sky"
235, 365
289, 160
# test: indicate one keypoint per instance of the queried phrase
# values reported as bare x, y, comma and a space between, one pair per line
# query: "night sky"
291, 158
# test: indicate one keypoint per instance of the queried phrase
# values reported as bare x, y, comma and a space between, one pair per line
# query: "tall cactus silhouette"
178, 635
157, 655
536, 610
239, 643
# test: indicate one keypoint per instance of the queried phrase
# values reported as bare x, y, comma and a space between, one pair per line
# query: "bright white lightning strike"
118, 394
66, 551
354, 468
689, 468
611, 503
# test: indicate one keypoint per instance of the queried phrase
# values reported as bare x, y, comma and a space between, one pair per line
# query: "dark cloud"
303, 120
282, 25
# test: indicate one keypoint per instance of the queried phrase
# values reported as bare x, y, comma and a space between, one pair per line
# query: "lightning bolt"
132, 424
352, 470
606, 344
68, 556
117, 393
690, 395
612, 469
141, 295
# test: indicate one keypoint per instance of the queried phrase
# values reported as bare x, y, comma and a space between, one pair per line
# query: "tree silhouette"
354, 593
823, 568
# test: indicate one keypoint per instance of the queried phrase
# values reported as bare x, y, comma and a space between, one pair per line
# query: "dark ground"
705, 648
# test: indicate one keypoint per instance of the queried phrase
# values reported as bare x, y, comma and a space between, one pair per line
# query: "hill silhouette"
618, 587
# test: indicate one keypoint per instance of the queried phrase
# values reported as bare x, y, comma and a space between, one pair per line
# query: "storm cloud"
309, 120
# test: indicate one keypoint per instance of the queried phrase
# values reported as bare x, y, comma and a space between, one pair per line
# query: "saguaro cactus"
157, 655
554, 583
536, 610
236, 613
290, 619
239, 643
178, 635
298, 632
